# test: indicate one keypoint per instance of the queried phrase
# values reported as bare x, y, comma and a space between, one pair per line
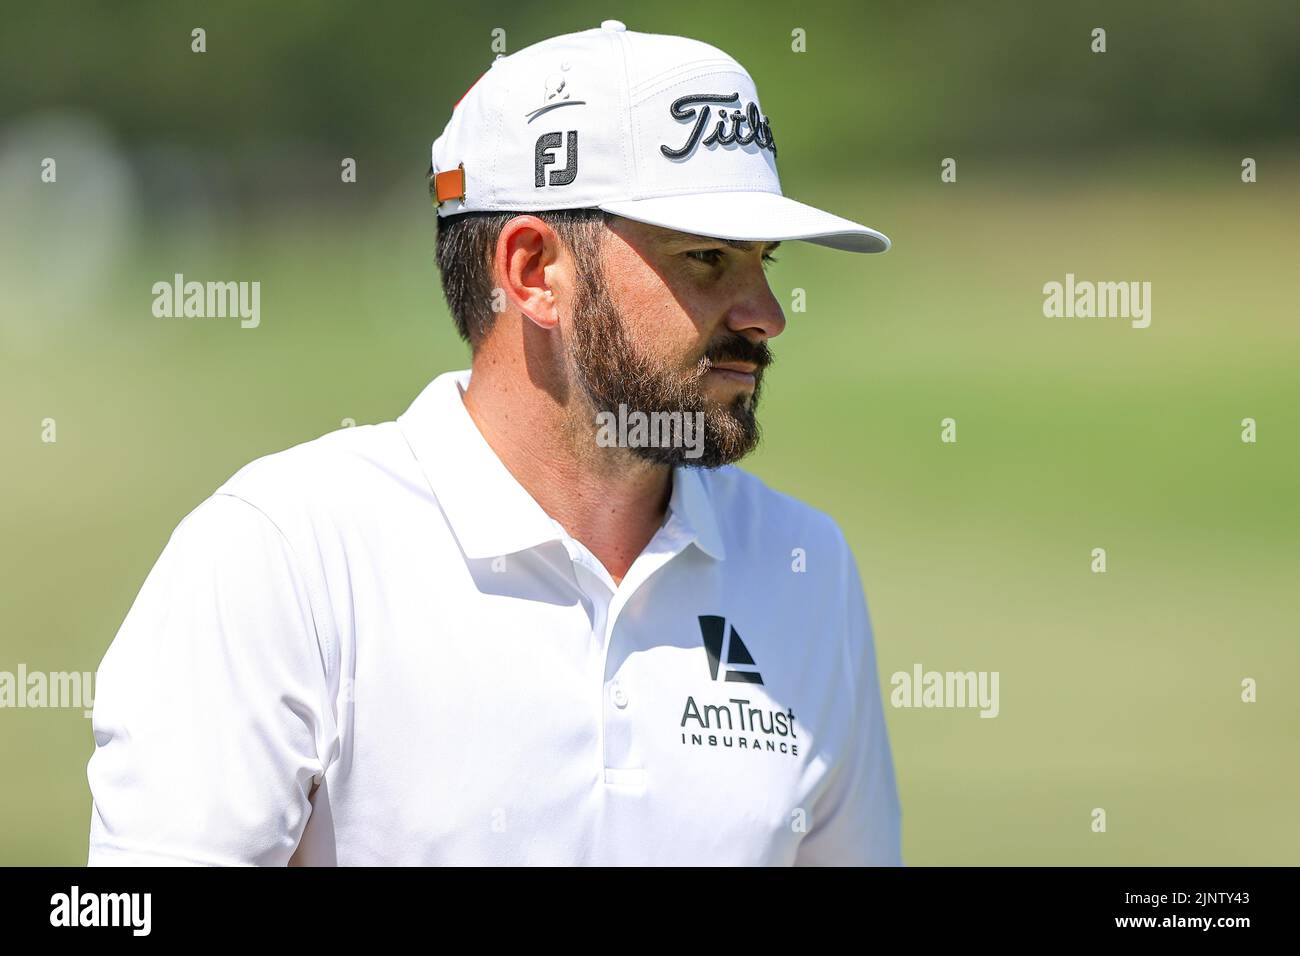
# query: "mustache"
737, 348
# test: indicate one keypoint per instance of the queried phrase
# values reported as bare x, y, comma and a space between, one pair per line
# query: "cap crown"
606, 115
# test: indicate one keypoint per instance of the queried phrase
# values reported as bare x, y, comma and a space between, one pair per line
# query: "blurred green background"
1118, 690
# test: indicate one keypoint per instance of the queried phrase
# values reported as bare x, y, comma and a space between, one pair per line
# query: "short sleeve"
857, 819
208, 717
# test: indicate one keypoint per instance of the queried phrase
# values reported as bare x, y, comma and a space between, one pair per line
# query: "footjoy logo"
544, 156
102, 909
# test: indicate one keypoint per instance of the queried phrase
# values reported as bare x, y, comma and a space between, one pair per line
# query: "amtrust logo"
735, 724
724, 644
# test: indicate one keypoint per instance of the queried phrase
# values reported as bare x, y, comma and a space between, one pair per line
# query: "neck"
546, 437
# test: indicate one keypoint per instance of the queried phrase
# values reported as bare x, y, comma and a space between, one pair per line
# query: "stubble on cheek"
616, 365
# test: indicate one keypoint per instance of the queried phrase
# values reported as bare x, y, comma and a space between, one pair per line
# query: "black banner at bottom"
1176, 905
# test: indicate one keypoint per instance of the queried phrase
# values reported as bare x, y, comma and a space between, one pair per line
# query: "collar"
490, 513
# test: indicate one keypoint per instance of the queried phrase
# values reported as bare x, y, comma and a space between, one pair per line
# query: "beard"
613, 372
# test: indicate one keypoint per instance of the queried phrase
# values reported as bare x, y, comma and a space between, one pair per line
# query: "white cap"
661, 129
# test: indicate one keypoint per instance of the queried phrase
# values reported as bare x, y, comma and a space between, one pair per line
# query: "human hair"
467, 244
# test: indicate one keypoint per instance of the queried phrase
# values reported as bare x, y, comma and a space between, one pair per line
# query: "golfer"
541, 618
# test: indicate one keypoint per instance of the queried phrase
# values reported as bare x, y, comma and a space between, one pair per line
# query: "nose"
757, 314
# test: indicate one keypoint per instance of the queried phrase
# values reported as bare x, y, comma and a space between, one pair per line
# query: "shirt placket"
622, 765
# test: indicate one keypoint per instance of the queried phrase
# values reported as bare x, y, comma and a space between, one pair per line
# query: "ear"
527, 253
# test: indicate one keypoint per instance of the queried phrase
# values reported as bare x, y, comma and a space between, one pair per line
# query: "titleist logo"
739, 126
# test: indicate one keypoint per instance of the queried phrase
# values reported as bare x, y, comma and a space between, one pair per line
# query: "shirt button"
619, 695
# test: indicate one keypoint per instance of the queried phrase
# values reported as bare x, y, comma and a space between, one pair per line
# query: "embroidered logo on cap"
555, 93
739, 126
544, 157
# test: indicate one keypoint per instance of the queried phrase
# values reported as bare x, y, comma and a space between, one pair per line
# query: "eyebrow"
747, 246
683, 238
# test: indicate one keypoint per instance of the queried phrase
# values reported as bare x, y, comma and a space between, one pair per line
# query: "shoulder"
278, 515
796, 556
343, 472
752, 514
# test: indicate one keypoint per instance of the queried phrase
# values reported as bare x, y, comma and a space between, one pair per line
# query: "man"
538, 619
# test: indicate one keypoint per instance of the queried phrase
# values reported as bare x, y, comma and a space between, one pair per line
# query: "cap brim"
751, 216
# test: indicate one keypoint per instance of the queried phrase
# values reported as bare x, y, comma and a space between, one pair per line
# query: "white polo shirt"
377, 648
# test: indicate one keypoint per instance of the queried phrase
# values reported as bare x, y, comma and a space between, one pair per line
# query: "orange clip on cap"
449, 185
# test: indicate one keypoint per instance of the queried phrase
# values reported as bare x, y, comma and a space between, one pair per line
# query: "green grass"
1118, 691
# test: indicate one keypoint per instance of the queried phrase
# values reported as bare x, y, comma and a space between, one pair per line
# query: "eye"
713, 256
708, 256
